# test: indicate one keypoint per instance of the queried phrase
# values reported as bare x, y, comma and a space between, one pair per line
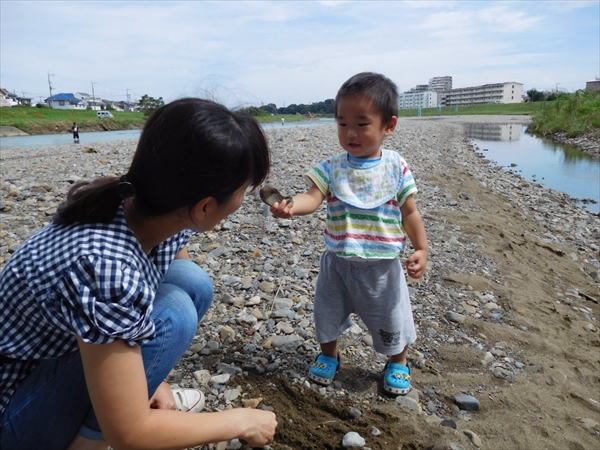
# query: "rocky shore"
508, 349
588, 142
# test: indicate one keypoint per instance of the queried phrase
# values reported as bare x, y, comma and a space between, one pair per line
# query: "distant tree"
535, 96
148, 105
271, 108
254, 111
551, 96
325, 107
291, 109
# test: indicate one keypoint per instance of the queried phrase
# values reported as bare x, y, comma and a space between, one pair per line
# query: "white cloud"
505, 20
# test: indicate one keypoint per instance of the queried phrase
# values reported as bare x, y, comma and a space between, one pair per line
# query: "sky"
248, 53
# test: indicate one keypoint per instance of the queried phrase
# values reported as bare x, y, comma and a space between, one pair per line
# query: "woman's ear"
202, 210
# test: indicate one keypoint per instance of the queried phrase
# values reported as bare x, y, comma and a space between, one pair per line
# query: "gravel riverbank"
508, 349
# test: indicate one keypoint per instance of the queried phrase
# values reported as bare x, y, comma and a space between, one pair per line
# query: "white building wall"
64, 104
509, 92
89, 101
410, 100
440, 83
513, 93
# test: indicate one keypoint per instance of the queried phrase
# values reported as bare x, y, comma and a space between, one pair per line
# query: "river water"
107, 136
511, 146
558, 166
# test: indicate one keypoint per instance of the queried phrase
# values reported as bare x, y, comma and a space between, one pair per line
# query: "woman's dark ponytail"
96, 201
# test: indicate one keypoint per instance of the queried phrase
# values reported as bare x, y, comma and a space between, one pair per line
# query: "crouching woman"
98, 307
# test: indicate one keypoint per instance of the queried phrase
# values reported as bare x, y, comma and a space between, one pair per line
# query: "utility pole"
557, 86
50, 87
128, 102
93, 96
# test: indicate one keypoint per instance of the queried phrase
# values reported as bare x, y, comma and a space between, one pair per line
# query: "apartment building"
509, 92
593, 85
417, 99
440, 83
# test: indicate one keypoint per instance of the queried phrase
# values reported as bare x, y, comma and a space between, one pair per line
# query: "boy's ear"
391, 126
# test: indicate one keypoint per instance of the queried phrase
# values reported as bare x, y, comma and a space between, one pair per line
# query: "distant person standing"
75, 131
283, 121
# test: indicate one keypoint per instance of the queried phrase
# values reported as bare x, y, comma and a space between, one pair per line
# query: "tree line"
533, 95
149, 104
318, 108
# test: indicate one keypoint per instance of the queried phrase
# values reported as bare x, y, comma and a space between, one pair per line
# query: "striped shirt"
88, 280
352, 231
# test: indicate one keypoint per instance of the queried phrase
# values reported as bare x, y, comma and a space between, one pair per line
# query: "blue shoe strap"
398, 367
324, 359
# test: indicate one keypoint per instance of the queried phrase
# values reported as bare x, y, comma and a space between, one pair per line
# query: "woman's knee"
176, 308
193, 280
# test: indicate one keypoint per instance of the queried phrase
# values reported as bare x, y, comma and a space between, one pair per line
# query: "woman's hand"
260, 426
163, 398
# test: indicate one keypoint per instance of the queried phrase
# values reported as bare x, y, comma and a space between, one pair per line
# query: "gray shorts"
374, 290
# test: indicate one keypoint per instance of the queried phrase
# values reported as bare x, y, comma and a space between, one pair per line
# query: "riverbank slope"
507, 311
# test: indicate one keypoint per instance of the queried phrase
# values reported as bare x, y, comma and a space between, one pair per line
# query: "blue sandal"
396, 379
324, 369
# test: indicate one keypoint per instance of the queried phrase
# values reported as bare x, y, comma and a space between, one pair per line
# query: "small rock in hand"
270, 195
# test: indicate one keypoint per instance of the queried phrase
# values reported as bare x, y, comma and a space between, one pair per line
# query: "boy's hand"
417, 263
283, 209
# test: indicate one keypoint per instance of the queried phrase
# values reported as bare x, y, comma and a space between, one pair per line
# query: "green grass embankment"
574, 114
486, 109
277, 118
50, 121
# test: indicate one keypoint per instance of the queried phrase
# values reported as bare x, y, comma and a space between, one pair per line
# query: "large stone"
467, 402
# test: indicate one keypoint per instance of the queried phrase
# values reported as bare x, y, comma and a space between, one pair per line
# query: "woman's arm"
302, 205
182, 254
118, 390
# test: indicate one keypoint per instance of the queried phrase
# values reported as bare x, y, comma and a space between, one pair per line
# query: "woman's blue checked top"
88, 280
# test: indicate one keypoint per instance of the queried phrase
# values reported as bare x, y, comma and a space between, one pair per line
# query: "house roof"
64, 97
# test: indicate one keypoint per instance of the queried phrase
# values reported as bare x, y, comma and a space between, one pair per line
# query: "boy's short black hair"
380, 89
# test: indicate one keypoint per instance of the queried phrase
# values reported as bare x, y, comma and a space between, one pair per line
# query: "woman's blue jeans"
51, 406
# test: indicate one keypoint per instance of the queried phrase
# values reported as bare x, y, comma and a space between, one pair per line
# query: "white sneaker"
189, 400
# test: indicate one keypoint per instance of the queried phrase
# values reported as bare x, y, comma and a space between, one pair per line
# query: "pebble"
251, 402
475, 440
353, 439
467, 402
448, 423
455, 317
408, 402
